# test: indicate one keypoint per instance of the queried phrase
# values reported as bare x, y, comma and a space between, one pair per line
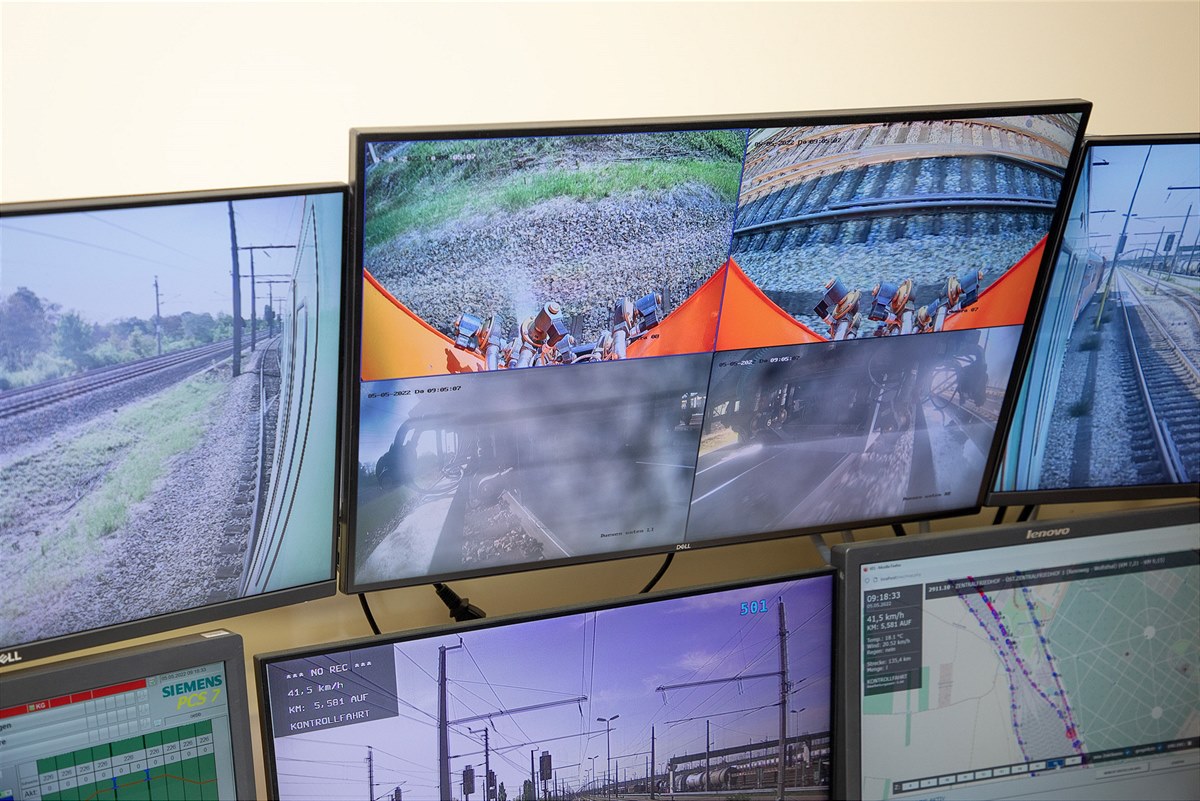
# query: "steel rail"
1139, 375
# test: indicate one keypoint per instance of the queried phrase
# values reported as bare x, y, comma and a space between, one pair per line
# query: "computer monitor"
578, 343
704, 691
169, 410
1111, 392
162, 721
1047, 660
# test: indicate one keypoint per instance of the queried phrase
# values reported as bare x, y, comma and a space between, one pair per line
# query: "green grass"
119, 459
166, 426
438, 199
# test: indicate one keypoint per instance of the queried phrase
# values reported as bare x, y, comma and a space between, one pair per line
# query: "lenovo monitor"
1048, 660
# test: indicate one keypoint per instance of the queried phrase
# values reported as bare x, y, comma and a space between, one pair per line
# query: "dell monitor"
1054, 660
1111, 392
169, 410
724, 691
578, 343
164, 721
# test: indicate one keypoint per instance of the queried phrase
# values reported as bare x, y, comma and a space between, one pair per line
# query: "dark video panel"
814, 435
169, 374
709, 242
516, 467
611, 702
1111, 396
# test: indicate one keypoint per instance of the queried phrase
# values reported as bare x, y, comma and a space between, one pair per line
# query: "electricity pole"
783, 697
447, 791
370, 774
157, 317
608, 744
651, 770
783, 691
253, 308
237, 297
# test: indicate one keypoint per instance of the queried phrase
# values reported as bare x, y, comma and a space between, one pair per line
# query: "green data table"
173, 765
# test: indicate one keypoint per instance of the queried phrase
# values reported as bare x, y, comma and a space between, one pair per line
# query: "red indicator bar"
116, 689
36, 706
86, 695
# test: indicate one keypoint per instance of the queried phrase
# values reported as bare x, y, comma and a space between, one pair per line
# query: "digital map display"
1035, 667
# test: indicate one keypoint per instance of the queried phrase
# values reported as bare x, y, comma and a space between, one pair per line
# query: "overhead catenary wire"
94, 216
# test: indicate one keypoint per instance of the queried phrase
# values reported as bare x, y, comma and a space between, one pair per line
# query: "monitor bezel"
152, 659
1131, 492
38, 649
361, 137
848, 560
264, 660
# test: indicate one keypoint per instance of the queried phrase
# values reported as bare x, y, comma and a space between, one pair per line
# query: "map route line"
1008, 648
1012, 690
1064, 714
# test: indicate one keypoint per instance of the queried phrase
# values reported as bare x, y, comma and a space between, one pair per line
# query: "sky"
1114, 175
102, 264
617, 658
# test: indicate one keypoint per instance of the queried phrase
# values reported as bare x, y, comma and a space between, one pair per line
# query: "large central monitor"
169, 410
163, 722
1110, 400
611, 339
1055, 660
717, 692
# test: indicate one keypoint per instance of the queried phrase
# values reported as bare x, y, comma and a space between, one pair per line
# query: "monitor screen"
706, 691
1111, 392
617, 339
169, 373
167, 721
1053, 660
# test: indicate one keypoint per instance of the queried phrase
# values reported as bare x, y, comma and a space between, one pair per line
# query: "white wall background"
108, 98
111, 98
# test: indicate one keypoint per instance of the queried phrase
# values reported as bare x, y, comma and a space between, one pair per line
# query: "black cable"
1000, 511
898, 530
666, 563
1026, 511
362, 599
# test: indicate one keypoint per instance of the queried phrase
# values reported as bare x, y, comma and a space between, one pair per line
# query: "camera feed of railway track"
1113, 390
153, 430
811, 435
494, 254
525, 466
879, 229
682, 698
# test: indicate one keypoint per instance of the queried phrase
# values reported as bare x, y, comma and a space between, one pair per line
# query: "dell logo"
10, 657
1050, 532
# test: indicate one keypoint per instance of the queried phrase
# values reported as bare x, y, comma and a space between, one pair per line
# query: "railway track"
20, 401
1165, 385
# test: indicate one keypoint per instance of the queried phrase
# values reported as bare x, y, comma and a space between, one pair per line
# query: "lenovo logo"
9, 657
1050, 532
